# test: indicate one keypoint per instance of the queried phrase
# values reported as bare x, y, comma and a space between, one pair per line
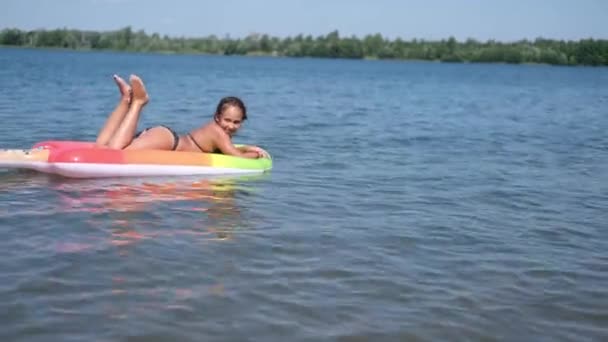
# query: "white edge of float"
94, 170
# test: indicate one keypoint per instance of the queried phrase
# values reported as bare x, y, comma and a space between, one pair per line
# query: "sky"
501, 20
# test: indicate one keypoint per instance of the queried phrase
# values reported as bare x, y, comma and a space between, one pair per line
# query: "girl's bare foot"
139, 91
124, 87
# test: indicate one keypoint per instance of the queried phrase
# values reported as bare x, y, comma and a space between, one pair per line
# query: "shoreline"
275, 55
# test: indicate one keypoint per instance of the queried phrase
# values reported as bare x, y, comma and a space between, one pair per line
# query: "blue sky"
424, 19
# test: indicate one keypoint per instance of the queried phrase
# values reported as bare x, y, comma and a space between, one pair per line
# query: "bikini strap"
195, 143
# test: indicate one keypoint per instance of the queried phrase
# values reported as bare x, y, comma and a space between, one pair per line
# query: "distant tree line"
545, 51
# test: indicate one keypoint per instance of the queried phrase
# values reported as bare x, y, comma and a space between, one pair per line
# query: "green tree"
331, 45
12, 37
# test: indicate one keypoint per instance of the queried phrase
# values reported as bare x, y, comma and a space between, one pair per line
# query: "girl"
214, 137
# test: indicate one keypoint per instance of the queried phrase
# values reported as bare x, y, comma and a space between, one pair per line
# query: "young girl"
214, 137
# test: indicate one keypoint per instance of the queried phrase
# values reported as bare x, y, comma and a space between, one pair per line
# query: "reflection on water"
131, 230
135, 209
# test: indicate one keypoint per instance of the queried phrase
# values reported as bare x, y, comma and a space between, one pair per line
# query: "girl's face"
230, 119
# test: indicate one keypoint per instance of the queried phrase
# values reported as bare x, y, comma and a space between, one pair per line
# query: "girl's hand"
261, 153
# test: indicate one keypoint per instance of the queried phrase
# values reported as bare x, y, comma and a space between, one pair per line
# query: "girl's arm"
226, 147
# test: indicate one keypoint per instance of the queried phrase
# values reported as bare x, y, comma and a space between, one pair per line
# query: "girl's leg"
123, 136
118, 114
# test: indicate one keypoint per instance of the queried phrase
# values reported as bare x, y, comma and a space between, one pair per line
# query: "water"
408, 201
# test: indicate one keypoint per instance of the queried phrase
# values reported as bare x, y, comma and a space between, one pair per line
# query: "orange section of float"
82, 153
87, 152
167, 157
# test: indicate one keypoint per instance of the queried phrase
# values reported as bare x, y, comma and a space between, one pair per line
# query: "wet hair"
230, 101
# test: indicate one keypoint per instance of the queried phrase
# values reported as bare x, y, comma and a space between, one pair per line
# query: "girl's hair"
230, 101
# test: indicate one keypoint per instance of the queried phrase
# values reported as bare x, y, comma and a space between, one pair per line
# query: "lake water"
408, 201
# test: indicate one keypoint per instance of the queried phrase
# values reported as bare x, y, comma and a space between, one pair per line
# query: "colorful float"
79, 159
